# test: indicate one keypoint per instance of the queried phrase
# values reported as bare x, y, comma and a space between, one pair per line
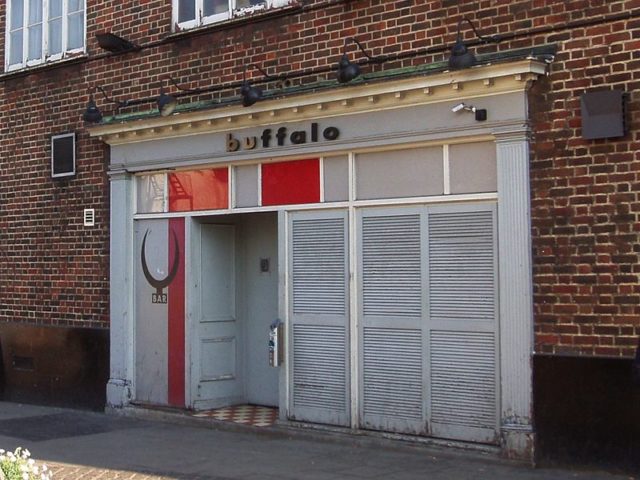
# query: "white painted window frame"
201, 20
45, 57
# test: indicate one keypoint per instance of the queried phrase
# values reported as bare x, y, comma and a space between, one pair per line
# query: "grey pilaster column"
516, 286
121, 291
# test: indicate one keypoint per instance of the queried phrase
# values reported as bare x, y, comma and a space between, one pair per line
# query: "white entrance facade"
389, 234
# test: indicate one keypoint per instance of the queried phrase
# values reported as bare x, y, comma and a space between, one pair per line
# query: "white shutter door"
463, 353
391, 307
318, 310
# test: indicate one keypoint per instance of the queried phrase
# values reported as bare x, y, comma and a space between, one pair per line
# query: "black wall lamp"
113, 43
93, 114
461, 57
251, 94
347, 70
167, 103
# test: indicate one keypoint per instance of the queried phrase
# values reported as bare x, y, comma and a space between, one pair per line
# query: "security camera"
480, 113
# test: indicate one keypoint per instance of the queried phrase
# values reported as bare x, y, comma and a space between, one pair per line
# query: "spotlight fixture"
458, 107
113, 43
461, 57
166, 103
481, 113
347, 70
251, 94
545, 57
93, 114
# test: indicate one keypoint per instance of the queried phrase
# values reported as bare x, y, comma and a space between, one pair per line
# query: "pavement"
88, 445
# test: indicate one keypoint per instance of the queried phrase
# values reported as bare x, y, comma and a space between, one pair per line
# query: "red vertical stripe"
176, 363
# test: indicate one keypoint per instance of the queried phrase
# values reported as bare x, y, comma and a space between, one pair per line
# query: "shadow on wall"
587, 411
58, 366
2, 380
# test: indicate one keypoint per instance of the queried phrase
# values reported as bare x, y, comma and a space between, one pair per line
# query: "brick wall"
585, 201
585, 196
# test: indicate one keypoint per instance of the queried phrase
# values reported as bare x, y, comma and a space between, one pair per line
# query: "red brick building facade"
54, 271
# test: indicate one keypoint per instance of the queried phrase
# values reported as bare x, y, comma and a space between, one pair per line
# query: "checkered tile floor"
247, 414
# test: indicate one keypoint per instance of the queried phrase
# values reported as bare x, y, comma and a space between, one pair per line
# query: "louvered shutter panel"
463, 323
318, 296
391, 305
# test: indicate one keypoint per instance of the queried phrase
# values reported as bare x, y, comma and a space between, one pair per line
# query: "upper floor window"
43, 30
193, 13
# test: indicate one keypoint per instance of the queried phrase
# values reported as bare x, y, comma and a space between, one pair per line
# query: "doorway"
234, 285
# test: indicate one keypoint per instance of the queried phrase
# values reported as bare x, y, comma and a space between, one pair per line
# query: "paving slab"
89, 445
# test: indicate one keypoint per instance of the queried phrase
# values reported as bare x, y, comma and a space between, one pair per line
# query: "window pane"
35, 11
472, 167
286, 183
400, 173
186, 10
212, 7
247, 181
76, 31
55, 36
15, 55
336, 178
75, 6
55, 8
17, 14
199, 190
35, 42
249, 3
151, 193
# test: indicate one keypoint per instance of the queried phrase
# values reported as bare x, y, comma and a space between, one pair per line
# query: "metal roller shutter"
319, 317
391, 303
463, 357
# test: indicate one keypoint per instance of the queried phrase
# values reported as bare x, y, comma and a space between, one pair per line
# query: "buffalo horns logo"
161, 284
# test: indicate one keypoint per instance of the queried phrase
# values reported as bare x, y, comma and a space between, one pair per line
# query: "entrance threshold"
234, 418
253, 415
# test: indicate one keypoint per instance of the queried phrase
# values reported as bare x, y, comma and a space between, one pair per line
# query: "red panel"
176, 329
285, 183
199, 190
